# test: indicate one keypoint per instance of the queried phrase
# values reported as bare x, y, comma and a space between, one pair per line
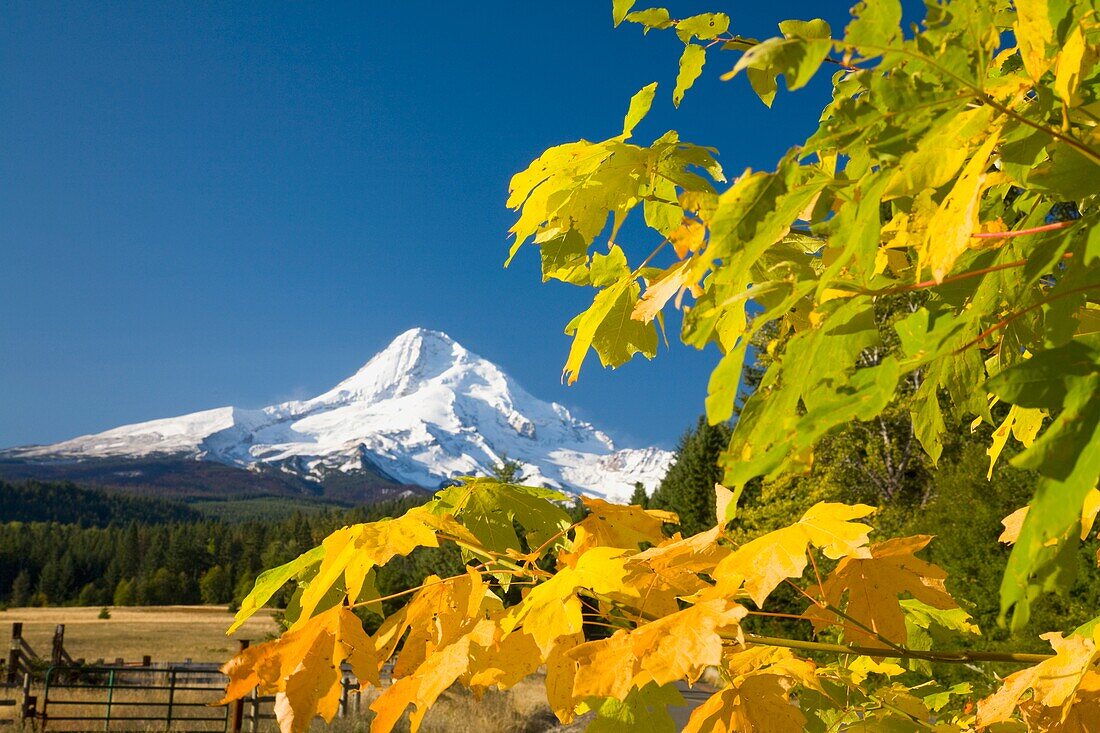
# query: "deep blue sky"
209, 204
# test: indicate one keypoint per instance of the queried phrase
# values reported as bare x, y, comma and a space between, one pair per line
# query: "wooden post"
146, 661
254, 722
27, 702
238, 705
57, 649
343, 697
14, 653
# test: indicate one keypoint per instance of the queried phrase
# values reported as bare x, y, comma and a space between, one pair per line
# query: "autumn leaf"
1033, 33
616, 525
1055, 683
302, 668
950, 228
873, 585
551, 609
763, 563
679, 646
760, 703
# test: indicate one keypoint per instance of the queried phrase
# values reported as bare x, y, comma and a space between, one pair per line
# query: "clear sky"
239, 203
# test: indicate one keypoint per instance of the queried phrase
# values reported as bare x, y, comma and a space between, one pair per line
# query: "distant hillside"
188, 480
67, 503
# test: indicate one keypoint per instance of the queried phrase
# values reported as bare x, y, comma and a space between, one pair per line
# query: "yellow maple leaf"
725, 504
1022, 423
502, 662
432, 678
661, 290
551, 609
561, 674
1015, 521
436, 616
302, 668
1012, 524
1082, 715
1055, 683
688, 237
1033, 32
351, 552
674, 557
862, 667
1074, 60
679, 646
873, 586
616, 525
758, 696
956, 218
765, 562
760, 703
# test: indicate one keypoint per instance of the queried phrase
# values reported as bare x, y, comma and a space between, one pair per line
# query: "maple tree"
959, 159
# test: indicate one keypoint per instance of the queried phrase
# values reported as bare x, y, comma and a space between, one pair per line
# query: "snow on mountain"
422, 411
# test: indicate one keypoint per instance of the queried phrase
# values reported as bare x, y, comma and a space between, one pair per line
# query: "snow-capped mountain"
422, 411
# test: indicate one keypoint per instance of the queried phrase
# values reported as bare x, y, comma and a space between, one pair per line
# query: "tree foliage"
957, 160
688, 487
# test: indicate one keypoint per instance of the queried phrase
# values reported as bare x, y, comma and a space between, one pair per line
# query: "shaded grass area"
522, 709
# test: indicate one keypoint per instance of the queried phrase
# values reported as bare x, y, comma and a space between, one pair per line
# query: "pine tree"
216, 586
21, 589
688, 487
507, 471
124, 593
640, 497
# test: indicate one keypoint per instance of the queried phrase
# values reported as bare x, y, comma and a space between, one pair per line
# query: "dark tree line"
144, 563
67, 503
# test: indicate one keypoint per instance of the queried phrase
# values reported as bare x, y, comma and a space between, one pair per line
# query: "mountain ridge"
421, 412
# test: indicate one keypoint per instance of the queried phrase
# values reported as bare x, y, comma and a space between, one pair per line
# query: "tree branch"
947, 657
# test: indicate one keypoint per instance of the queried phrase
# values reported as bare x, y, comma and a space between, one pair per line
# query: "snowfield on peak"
422, 411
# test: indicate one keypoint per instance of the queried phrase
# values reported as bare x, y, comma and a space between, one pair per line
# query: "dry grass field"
167, 633
176, 633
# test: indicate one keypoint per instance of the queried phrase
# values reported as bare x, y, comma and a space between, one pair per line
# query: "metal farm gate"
173, 698
119, 698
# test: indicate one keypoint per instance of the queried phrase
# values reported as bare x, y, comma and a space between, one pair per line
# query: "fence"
86, 698
61, 694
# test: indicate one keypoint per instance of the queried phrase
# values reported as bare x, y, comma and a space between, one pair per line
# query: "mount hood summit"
421, 412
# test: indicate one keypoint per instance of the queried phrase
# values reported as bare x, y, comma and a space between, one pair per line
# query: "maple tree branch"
1020, 313
948, 657
1022, 232
925, 284
895, 651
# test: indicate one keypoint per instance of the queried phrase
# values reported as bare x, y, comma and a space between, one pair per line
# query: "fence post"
57, 650
146, 661
254, 715
343, 697
14, 653
238, 704
26, 701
